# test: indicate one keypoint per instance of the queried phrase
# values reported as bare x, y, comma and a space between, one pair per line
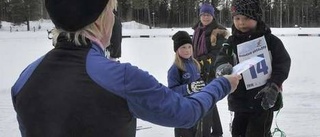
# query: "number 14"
261, 68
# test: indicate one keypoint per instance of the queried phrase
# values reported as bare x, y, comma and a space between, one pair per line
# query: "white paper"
245, 65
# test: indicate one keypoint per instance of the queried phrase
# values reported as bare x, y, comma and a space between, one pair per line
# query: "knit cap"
206, 8
72, 15
180, 38
249, 8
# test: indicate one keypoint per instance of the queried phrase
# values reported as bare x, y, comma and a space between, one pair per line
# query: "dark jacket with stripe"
74, 91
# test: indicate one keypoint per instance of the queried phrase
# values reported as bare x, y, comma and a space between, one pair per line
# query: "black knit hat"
72, 15
249, 8
180, 38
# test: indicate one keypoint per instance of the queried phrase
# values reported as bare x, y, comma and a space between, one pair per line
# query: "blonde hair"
179, 63
92, 29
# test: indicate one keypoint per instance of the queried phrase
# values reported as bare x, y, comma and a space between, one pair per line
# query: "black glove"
228, 49
224, 69
195, 86
268, 95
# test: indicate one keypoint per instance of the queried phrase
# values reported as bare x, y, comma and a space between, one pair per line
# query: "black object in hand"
224, 69
268, 95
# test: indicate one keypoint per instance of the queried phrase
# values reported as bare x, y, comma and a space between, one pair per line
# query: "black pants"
253, 124
212, 124
185, 132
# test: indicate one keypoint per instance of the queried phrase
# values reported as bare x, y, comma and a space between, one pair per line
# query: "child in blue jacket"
184, 74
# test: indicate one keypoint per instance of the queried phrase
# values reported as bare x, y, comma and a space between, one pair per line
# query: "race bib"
258, 74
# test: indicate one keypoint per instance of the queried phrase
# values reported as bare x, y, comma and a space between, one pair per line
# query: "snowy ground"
299, 117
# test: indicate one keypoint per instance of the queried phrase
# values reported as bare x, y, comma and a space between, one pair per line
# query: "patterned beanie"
180, 38
206, 8
249, 8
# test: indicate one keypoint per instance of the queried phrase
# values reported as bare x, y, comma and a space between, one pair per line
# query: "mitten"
224, 69
268, 95
195, 86
228, 50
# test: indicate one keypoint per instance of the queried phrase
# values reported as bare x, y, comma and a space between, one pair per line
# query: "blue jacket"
75, 90
179, 79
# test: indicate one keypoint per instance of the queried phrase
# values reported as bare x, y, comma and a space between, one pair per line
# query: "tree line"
178, 13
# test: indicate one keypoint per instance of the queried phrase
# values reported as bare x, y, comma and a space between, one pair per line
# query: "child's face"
206, 19
243, 23
185, 51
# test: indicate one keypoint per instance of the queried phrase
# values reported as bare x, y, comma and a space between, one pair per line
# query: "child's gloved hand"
224, 69
268, 95
195, 86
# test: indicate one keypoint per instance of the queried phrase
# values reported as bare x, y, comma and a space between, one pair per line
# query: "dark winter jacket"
74, 91
243, 100
212, 51
208, 58
116, 39
179, 79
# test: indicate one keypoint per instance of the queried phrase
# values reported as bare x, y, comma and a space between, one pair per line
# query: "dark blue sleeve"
148, 99
175, 81
153, 102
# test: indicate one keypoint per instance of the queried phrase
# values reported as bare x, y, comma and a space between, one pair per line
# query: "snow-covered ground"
299, 117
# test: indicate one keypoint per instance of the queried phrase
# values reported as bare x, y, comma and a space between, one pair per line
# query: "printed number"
250, 85
261, 68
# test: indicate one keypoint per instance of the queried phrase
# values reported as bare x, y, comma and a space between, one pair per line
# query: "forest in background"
177, 13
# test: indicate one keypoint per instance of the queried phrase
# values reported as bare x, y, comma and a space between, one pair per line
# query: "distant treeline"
178, 13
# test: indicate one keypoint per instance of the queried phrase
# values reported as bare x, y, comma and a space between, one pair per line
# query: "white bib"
259, 73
